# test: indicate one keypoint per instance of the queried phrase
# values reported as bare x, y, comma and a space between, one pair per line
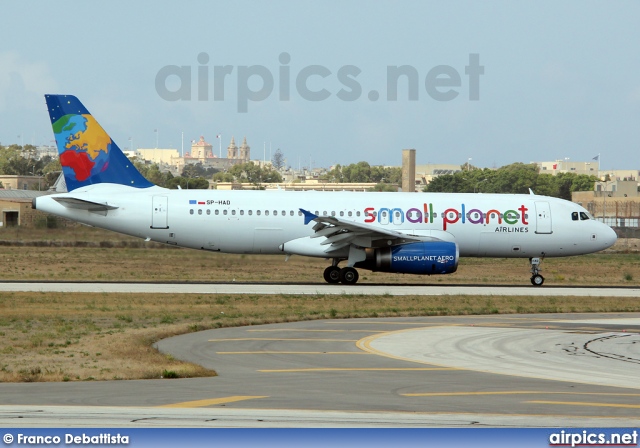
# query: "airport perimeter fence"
620, 214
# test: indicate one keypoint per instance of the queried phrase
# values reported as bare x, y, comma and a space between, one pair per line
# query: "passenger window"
250, 212
275, 213
224, 212
208, 212
299, 213
584, 216
341, 213
284, 213
241, 212
291, 213
350, 214
357, 213
266, 213
258, 212
191, 212
574, 216
200, 212
217, 212
333, 213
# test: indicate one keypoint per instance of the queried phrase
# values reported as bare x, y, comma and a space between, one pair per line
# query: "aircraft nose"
609, 236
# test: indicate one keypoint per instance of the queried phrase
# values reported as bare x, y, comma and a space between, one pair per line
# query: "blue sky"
560, 78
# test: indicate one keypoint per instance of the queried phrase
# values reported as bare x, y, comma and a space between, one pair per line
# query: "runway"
320, 288
501, 370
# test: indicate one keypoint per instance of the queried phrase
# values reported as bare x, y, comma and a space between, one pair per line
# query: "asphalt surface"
502, 370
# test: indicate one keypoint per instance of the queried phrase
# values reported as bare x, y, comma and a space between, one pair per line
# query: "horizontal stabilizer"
81, 204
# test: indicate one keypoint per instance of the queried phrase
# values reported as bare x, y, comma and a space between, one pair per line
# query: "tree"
198, 170
514, 178
384, 187
223, 176
278, 160
187, 183
253, 173
363, 172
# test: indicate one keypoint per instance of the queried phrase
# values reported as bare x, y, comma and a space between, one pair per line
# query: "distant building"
16, 210
18, 182
159, 156
566, 166
201, 152
620, 174
426, 173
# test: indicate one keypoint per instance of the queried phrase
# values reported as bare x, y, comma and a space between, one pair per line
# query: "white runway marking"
244, 288
608, 359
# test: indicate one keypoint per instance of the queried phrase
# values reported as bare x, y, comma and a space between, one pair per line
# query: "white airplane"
406, 233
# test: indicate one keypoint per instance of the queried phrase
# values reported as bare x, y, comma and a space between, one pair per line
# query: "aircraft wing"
340, 233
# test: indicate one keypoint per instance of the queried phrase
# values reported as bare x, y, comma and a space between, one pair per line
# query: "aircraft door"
543, 218
159, 212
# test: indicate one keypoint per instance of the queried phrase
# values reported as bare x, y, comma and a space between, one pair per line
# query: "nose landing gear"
536, 278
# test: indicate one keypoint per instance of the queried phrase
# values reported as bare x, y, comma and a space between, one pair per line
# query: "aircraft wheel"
537, 280
332, 274
349, 276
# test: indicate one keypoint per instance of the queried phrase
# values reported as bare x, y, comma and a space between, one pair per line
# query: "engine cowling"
430, 258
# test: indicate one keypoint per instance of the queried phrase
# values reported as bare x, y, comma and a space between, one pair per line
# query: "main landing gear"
536, 278
347, 276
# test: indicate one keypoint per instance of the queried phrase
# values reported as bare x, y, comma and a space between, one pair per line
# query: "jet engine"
437, 257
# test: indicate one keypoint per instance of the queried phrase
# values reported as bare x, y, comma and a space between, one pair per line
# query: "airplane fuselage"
492, 225
422, 234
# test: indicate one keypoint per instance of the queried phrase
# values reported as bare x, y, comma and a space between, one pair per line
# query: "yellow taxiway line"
315, 331
211, 401
284, 339
587, 404
270, 352
514, 392
358, 369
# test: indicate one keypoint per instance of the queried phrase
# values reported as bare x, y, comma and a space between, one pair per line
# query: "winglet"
87, 154
531, 192
308, 216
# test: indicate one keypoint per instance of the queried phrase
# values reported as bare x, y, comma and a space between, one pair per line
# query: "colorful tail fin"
87, 154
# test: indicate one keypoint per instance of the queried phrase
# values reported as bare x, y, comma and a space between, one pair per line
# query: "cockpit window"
584, 216
574, 216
